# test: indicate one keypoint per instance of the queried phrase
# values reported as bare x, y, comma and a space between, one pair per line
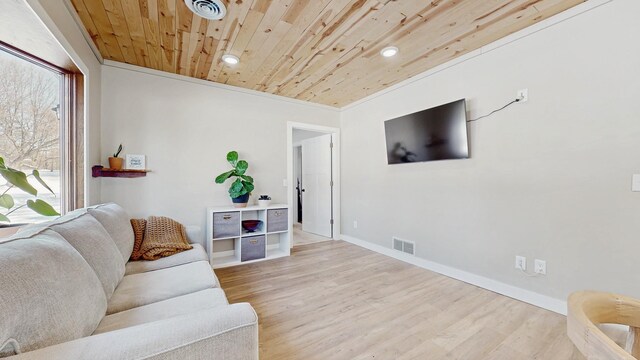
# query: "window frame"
67, 114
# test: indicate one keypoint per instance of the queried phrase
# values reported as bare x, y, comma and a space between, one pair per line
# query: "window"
35, 98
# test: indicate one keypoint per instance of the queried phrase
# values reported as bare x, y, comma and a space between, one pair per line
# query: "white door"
316, 185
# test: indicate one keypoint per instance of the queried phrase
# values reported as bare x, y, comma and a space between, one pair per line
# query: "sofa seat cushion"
96, 246
117, 223
48, 292
153, 286
181, 305
181, 258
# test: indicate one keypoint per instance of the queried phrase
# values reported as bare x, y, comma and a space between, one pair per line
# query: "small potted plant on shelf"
115, 162
242, 187
264, 200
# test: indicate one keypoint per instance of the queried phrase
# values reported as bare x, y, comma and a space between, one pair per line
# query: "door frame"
335, 161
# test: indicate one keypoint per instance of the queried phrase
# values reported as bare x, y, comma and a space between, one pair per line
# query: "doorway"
314, 189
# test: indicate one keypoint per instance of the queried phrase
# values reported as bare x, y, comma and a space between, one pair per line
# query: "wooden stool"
587, 309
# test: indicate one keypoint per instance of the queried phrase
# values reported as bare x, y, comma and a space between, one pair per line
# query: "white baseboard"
530, 297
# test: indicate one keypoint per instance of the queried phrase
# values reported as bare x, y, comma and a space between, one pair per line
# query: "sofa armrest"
194, 234
228, 332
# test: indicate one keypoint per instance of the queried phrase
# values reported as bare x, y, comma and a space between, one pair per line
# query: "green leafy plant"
243, 184
18, 179
118, 152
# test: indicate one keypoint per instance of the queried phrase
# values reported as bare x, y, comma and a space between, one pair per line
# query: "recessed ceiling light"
389, 51
230, 59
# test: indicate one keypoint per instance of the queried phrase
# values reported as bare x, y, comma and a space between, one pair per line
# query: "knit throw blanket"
158, 237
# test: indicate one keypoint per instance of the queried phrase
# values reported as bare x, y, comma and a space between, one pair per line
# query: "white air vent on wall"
405, 246
208, 9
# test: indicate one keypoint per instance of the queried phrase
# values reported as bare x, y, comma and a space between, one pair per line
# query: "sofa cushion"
181, 305
153, 286
48, 292
116, 221
228, 332
185, 257
38, 227
92, 241
194, 234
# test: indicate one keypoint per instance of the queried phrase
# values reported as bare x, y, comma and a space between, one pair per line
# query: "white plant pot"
264, 203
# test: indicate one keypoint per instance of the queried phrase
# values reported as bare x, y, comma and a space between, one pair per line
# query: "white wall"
186, 128
299, 135
547, 179
58, 19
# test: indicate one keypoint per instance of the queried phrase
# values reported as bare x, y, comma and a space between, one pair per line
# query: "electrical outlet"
285, 183
521, 263
540, 267
523, 95
355, 224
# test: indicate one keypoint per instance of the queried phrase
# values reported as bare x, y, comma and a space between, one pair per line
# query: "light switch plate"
635, 183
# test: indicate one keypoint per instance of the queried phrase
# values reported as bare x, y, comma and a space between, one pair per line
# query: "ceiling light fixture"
230, 59
389, 51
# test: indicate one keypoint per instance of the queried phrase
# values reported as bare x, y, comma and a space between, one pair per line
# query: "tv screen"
438, 133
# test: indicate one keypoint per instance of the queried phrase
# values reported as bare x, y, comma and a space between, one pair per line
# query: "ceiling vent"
208, 9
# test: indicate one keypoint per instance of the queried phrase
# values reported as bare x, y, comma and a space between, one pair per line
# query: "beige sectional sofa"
67, 291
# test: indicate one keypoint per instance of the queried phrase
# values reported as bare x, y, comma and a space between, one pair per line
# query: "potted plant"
264, 200
242, 187
20, 180
115, 162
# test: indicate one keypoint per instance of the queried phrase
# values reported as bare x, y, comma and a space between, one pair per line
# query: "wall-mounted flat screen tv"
438, 133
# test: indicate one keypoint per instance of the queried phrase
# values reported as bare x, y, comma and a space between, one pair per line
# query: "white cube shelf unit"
228, 244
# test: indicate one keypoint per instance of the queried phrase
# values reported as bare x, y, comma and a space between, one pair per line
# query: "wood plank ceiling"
323, 51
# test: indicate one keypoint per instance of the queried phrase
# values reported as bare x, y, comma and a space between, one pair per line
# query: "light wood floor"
334, 300
302, 238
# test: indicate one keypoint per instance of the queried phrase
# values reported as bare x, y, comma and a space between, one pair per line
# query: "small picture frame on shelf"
135, 162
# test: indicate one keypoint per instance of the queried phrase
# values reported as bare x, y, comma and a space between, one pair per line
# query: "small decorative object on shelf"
135, 162
101, 171
115, 162
242, 187
264, 200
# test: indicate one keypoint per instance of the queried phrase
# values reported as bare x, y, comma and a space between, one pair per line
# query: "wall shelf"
101, 171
